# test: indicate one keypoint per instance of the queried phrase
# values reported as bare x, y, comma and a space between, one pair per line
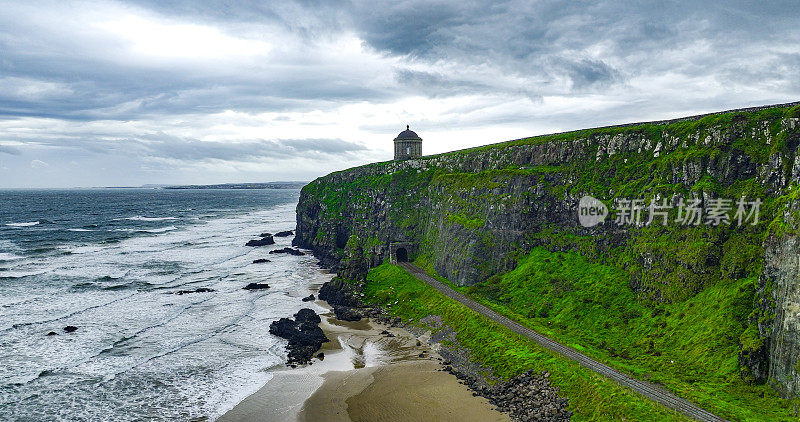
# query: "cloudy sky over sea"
127, 93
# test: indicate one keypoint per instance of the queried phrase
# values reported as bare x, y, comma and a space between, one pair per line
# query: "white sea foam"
81, 249
143, 218
80, 230
29, 224
158, 230
162, 355
5, 256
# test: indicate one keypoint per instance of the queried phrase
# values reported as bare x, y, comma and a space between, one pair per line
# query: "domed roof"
408, 134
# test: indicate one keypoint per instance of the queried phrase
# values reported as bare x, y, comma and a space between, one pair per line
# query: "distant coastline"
267, 185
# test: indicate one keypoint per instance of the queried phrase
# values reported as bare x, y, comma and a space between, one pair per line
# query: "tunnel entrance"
402, 255
401, 252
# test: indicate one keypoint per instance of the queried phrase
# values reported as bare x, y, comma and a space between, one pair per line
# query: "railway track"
646, 389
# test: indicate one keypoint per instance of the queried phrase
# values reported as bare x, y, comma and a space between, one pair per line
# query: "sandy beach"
365, 376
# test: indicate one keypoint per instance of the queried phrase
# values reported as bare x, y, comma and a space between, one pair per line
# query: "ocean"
111, 262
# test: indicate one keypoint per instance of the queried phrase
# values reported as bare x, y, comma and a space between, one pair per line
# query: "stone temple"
407, 145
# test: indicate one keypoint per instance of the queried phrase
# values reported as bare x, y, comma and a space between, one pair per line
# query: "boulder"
265, 234
261, 261
309, 298
290, 251
283, 328
304, 335
338, 292
198, 290
264, 241
346, 313
70, 328
307, 315
285, 233
256, 286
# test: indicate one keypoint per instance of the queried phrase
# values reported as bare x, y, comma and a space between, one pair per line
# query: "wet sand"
406, 391
365, 376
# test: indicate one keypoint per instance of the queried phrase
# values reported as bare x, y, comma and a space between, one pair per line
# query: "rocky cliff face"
778, 310
473, 213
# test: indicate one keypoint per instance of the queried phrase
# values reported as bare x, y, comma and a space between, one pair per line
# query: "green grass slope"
592, 397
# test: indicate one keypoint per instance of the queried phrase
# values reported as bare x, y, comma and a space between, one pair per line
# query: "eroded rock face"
779, 307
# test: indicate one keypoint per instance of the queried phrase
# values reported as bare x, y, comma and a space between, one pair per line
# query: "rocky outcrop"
264, 241
304, 335
338, 292
345, 313
197, 290
256, 286
471, 214
775, 355
290, 251
528, 397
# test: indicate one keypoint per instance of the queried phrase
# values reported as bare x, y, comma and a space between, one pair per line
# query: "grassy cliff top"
653, 130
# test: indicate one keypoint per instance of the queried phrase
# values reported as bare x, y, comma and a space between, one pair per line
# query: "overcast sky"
126, 93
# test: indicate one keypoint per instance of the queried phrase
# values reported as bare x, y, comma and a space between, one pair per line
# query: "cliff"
474, 214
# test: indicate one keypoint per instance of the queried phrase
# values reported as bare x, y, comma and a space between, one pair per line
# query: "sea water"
111, 262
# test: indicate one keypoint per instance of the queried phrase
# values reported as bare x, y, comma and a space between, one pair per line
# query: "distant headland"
267, 185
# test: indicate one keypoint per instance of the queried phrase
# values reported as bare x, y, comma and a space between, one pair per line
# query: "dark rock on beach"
261, 261
345, 300
304, 335
198, 290
309, 298
307, 315
290, 251
52, 333
256, 286
338, 292
264, 241
345, 313
528, 397
70, 328
285, 233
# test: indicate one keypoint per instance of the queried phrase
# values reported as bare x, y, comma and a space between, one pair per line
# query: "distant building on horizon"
407, 145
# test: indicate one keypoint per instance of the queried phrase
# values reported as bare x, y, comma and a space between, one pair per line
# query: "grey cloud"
9, 150
435, 84
586, 72
195, 150
99, 84
39, 164
535, 44
164, 146
410, 27
549, 39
